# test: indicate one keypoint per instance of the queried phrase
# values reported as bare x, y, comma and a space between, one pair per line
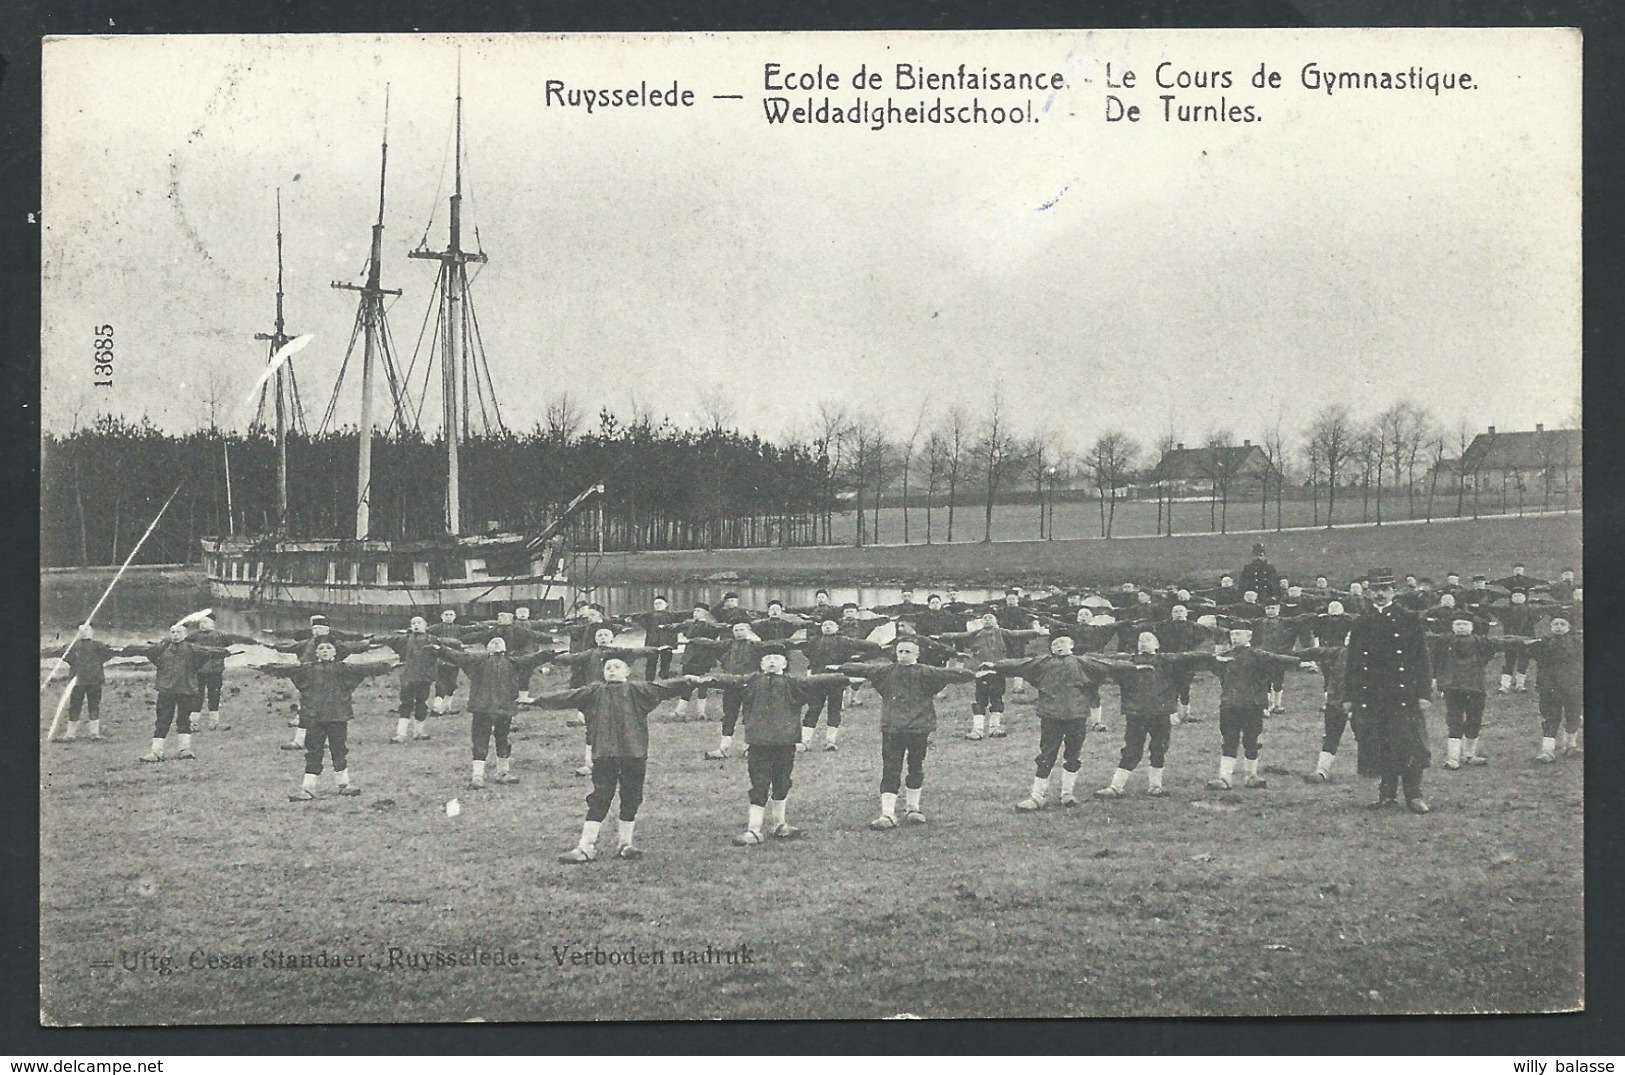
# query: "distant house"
1534, 463
1236, 469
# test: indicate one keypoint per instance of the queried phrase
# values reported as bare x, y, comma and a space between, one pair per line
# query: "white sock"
343, 777
439, 706
1184, 710
1548, 745
1094, 714
589, 835
479, 770
756, 813
701, 706
1227, 767
978, 722
502, 766
186, 740
588, 755
1506, 681
1452, 749
299, 737
73, 730
1068, 782
1040, 788
1120, 779
831, 734
624, 832
995, 720
727, 742
806, 735
1324, 765
420, 727
403, 727
1521, 677
682, 706
94, 728
1571, 739
1155, 776
912, 797
777, 806
888, 804
1251, 767
309, 783
1470, 748
157, 745
214, 718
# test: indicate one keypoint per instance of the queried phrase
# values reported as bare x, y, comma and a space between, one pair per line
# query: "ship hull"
476, 577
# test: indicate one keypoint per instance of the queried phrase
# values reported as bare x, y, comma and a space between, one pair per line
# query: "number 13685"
102, 357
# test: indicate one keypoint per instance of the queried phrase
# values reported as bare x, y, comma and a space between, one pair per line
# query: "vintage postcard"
811, 526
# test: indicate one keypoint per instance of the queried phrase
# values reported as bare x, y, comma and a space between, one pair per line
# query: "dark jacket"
326, 687
659, 628
1068, 687
589, 663
178, 663
702, 648
617, 713
987, 644
907, 692
418, 658
825, 650
771, 713
1245, 675
1458, 662
494, 679
1148, 683
85, 657
1560, 663
1388, 658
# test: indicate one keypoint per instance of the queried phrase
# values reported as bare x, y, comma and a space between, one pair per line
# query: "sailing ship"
361, 574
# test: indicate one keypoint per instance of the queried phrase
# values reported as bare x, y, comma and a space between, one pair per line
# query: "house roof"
1203, 464
1529, 450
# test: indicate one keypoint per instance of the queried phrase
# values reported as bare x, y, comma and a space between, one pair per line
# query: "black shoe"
1418, 805
1382, 803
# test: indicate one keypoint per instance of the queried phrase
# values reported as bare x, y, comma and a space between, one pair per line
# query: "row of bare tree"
952, 458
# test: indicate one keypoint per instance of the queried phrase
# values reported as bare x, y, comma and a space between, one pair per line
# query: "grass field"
1291, 900
1547, 543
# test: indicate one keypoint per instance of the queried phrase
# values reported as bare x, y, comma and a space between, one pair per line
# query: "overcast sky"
1365, 247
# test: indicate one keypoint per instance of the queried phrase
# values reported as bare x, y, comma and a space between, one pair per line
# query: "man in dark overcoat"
1388, 687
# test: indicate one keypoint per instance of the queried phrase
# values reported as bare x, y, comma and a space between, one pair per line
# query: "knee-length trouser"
176, 709
335, 736
733, 698
1240, 726
1463, 713
608, 774
415, 699
1052, 736
1138, 729
1563, 709
1335, 722
989, 694
895, 748
769, 768
209, 686
828, 699
483, 726
81, 696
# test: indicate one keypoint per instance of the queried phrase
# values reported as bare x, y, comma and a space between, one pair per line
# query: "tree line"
712, 486
666, 487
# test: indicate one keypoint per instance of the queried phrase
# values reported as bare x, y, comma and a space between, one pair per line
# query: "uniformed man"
1388, 690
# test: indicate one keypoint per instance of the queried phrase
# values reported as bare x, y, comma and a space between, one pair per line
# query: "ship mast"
453, 286
284, 388
371, 317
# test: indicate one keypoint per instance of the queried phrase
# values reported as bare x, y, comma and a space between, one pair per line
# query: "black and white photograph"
810, 526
